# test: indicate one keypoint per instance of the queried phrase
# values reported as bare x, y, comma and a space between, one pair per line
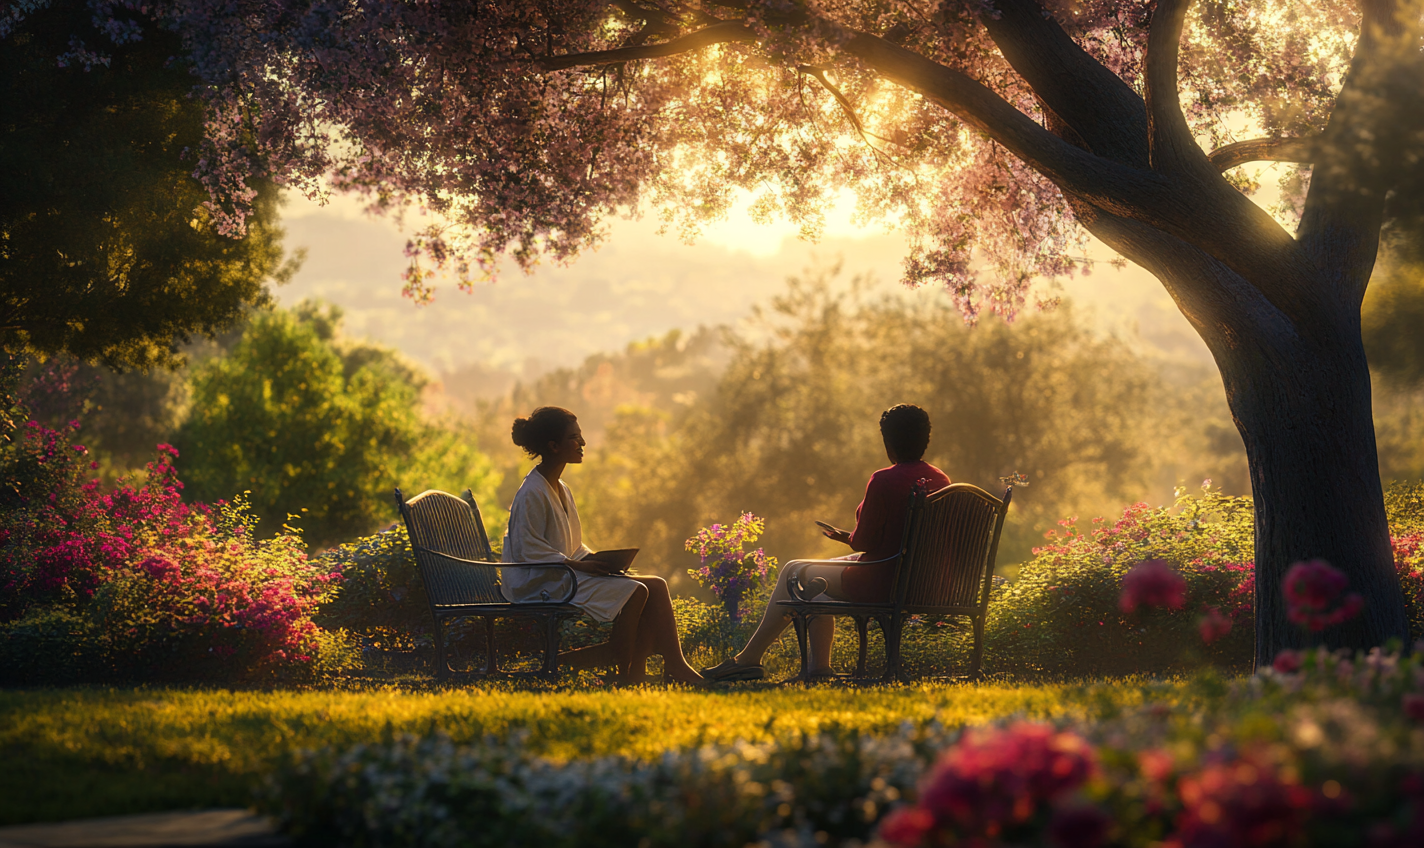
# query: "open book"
618, 558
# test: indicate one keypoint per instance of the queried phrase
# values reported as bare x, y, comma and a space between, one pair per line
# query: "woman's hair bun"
544, 425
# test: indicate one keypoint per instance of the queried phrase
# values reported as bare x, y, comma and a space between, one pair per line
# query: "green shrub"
381, 597
1062, 615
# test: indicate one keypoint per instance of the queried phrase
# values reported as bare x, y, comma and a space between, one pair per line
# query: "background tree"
106, 249
318, 428
779, 417
998, 132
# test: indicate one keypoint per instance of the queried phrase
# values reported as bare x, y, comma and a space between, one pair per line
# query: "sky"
638, 283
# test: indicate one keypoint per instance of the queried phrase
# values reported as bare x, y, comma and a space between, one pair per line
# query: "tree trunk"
1303, 410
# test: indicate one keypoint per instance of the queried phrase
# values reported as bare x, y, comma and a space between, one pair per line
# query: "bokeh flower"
1153, 583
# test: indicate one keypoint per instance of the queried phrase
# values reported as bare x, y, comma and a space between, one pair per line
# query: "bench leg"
801, 625
442, 664
491, 652
551, 646
862, 624
974, 669
890, 626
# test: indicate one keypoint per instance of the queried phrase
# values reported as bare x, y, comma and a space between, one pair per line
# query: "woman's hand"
837, 535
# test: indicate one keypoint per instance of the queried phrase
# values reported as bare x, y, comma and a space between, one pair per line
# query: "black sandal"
731, 672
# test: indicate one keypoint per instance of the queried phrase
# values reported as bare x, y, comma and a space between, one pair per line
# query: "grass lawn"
72, 753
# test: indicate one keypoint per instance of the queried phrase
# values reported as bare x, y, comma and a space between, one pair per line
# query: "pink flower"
906, 826
1213, 625
1240, 803
1153, 583
1312, 588
994, 779
1287, 662
1414, 707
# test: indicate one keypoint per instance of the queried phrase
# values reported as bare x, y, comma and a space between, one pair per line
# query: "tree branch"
1229, 156
1344, 208
1111, 185
716, 34
1104, 111
1171, 147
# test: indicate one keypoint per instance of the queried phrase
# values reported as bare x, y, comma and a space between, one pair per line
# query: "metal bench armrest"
573, 576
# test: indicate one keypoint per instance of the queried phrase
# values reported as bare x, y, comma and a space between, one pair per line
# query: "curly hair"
906, 429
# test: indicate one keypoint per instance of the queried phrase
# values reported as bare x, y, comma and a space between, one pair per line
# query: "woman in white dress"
544, 527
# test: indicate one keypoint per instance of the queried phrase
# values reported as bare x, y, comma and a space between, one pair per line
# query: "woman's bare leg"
657, 634
623, 643
774, 621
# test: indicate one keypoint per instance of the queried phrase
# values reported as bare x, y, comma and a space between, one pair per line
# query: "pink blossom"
1414, 707
1153, 583
1240, 803
1287, 662
997, 778
1312, 588
1213, 625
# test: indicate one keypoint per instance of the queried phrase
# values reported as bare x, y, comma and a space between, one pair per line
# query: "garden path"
224, 828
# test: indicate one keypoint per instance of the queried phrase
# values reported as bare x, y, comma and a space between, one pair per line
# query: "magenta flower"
1287, 662
1240, 803
1153, 583
994, 780
1213, 625
1314, 599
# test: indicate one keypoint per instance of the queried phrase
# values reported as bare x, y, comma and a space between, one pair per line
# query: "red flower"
993, 780
1287, 662
1414, 707
1312, 588
1213, 625
1239, 803
1153, 583
906, 826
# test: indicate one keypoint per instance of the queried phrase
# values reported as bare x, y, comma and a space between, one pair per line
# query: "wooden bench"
945, 567
461, 576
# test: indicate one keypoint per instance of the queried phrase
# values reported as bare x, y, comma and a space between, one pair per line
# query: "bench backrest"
951, 539
439, 521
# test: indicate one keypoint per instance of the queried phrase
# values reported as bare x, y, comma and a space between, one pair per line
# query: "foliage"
318, 428
1310, 757
724, 568
381, 597
134, 584
94, 751
791, 428
1063, 614
106, 249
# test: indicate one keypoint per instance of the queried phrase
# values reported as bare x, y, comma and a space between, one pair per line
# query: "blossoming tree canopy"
996, 133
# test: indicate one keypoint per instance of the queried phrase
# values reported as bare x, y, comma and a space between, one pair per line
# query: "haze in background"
639, 283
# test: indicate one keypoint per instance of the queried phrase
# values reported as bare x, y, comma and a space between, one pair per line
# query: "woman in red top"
879, 529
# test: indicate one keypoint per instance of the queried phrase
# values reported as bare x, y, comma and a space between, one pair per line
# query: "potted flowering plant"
723, 567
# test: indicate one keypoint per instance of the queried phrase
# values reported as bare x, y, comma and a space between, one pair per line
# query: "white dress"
540, 530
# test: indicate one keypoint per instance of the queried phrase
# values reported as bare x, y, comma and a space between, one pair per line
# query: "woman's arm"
870, 518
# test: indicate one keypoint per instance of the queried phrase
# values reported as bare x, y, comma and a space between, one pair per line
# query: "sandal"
731, 672
824, 675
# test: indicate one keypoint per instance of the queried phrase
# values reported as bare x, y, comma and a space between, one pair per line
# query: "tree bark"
1303, 409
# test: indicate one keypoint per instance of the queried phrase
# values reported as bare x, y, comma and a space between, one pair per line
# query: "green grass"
73, 753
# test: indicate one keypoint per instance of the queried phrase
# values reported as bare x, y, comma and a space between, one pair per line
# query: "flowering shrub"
381, 597
724, 567
134, 584
1132, 595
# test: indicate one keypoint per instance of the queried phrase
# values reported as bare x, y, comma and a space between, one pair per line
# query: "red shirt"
880, 527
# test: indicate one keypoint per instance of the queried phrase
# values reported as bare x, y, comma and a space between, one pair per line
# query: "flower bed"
1331, 753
